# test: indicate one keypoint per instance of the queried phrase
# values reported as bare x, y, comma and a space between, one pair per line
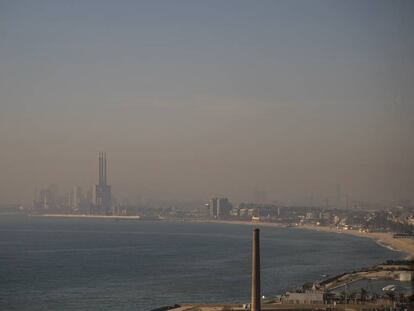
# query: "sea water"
97, 264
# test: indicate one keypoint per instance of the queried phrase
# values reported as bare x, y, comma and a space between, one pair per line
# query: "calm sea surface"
67, 264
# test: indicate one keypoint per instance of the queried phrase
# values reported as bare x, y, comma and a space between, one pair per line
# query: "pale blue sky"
199, 98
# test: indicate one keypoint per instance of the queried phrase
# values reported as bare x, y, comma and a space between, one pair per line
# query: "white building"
308, 297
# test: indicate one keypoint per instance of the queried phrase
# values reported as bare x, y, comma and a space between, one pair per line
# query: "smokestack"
105, 170
100, 168
255, 303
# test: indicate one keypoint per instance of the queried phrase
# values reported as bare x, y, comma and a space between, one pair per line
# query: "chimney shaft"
101, 178
255, 303
105, 182
100, 168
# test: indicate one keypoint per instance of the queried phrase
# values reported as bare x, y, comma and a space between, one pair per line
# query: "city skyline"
98, 198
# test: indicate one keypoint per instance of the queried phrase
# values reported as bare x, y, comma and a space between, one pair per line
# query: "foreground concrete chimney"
255, 303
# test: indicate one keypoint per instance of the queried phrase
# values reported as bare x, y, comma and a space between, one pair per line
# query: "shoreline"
384, 239
87, 216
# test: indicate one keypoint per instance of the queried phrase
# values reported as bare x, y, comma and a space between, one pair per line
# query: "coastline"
384, 239
87, 216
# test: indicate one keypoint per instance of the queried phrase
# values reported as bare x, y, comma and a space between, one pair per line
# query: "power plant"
102, 191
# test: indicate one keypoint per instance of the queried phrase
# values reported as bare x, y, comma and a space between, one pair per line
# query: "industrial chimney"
255, 303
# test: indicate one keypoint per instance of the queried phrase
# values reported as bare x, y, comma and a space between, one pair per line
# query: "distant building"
263, 211
96, 200
243, 212
47, 199
102, 198
308, 297
219, 208
75, 198
89, 195
405, 276
212, 205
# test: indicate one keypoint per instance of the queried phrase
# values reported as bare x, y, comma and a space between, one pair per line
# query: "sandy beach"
383, 238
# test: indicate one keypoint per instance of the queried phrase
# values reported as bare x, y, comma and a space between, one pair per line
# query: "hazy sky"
192, 99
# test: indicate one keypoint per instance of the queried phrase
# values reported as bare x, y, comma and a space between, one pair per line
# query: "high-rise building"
75, 198
102, 191
48, 199
45, 199
219, 208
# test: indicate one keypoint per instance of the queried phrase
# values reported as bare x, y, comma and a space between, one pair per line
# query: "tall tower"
103, 198
255, 303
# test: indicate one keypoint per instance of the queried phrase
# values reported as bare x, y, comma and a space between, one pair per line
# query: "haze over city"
192, 100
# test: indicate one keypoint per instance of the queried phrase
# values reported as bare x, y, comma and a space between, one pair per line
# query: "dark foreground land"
282, 307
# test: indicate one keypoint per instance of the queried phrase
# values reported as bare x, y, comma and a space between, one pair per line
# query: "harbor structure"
255, 301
